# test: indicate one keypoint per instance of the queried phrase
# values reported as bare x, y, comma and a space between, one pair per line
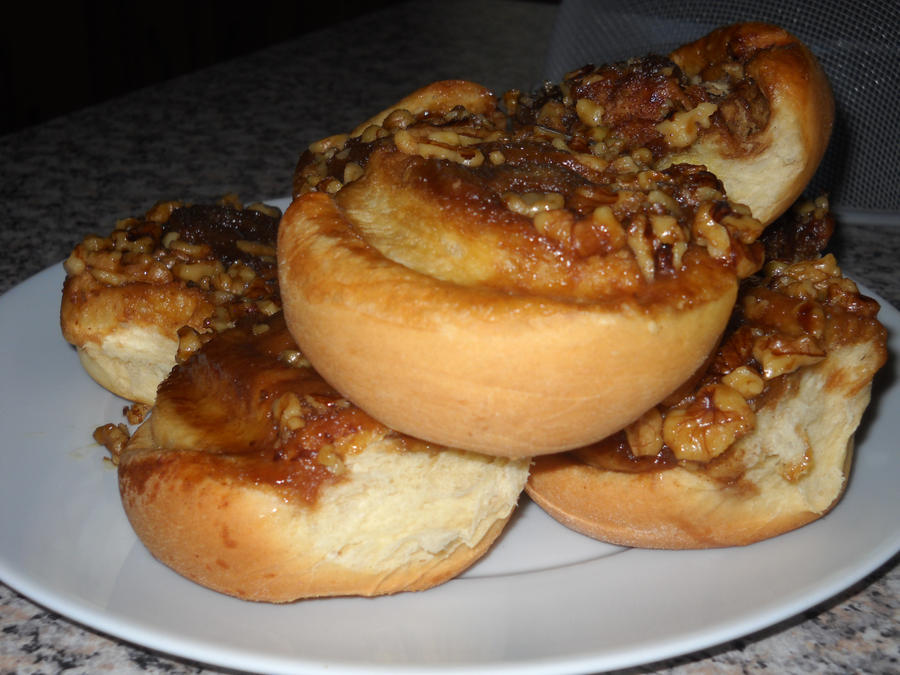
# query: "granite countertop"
238, 127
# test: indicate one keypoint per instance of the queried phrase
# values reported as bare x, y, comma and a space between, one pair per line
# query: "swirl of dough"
529, 275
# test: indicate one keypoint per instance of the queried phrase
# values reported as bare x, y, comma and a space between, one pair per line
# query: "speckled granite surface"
238, 127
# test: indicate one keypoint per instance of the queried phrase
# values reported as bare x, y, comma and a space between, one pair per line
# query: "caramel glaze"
531, 164
475, 195
216, 410
221, 227
842, 317
535, 167
217, 226
541, 147
614, 454
217, 231
637, 94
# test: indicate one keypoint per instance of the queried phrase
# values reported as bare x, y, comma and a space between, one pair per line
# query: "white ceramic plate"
544, 600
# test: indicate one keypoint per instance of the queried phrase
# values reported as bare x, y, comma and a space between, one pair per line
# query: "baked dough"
256, 479
148, 294
759, 444
765, 161
749, 102
528, 277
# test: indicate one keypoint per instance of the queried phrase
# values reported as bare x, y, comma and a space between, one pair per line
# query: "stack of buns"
252, 476
583, 282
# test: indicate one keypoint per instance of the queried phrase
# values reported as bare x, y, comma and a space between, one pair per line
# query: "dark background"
60, 57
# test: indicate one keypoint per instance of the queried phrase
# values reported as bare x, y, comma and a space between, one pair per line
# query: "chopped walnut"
328, 457
708, 425
645, 435
681, 130
781, 355
440, 144
555, 158
136, 412
294, 358
113, 437
746, 381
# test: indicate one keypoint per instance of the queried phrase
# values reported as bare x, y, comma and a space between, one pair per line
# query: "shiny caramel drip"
223, 403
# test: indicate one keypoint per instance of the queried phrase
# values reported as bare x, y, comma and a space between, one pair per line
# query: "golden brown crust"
247, 542
127, 336
467, 367
438, 98
803, 351
555, 244
681, 508
748, 101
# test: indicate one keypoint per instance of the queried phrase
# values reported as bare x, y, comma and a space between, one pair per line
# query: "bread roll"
256, 479
771, 129
529, 277
488, 369
759, 444
156, 287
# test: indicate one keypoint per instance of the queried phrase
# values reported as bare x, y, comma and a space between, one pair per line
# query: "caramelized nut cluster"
332, 162
113, 437
301, 421
646, 104
789, 317
588, 188
225, 250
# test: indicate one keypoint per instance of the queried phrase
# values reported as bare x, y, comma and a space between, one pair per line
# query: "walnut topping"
710, 232
645, 436
589, 112
555, 225
707, 426
531, 203
642, 248
352, 171
295, 358
496, 157
789, 317
113, 437
782, 355
330, 459
136, 412
746, 381
288, 412
608, 228
197, 271
331, 144
225, 250
398, 119
256, 248
440, 144
187, 250
189, 341
682, 128
557, 154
